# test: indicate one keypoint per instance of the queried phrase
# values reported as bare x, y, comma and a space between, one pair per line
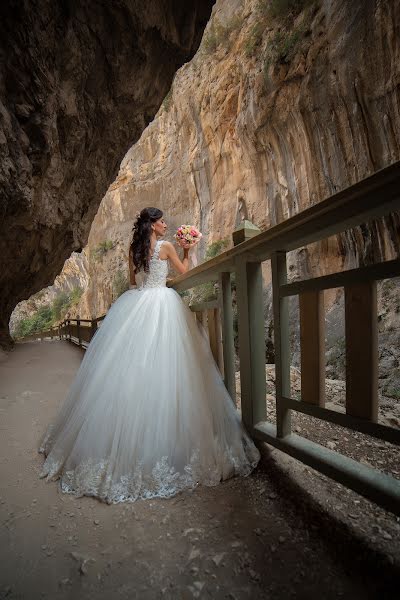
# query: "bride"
148, 414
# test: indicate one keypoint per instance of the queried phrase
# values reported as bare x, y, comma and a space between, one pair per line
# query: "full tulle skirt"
147, 414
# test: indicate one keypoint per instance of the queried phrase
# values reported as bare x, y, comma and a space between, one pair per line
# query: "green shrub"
388, 285
60, 305
281, 9
210, 43
204, 292
75, 295
288, 38
166, 103
101, 249
64, 302
393, 392
283, 47
208, 291
219, 34
120, 284
48, 315
41, 320
215, 248
254, 39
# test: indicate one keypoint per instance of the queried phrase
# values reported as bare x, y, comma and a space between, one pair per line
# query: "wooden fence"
77, 331
371, 198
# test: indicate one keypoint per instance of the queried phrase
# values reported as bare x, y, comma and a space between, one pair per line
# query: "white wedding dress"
148, 414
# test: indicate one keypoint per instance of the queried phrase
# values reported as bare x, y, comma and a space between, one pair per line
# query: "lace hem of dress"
95, 478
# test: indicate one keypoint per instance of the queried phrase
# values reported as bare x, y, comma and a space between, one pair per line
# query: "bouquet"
188, 233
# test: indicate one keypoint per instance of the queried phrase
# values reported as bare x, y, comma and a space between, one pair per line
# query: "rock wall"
273, 114
247, 131
73, 275
79, 82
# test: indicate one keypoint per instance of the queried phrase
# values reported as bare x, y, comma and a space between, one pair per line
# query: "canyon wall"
74, 275
273, 114
79, 82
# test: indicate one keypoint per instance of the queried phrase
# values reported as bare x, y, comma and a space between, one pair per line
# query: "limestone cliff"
79, 81
74, 275
276, 111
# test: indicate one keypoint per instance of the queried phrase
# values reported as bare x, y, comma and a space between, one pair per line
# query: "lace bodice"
158, 271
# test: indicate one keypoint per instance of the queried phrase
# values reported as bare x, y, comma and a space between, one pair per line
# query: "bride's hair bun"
143, 215
147, 215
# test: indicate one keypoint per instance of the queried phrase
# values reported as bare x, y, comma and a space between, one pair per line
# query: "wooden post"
219, 342
281, 343
199, 316
93, 327
78, 331
312, 344
244, 231
212, 332
361, 324
251, 341
225, 301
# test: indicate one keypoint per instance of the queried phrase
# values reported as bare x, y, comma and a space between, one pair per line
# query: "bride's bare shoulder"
167, 245
164, 249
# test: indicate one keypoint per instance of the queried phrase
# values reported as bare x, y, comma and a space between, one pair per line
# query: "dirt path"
283, 532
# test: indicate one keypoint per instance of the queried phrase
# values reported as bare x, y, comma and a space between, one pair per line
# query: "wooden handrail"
374, 196
371, 198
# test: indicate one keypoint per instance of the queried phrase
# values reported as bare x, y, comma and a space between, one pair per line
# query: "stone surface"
73, 275
79, 82
234, 140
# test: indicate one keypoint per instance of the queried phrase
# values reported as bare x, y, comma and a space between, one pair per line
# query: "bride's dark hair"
140, 245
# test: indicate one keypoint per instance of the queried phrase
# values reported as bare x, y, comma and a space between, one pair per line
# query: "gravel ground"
283, 532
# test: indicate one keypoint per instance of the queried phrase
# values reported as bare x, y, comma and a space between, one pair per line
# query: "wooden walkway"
276, 534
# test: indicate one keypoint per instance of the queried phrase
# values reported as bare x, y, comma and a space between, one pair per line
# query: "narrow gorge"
79, 83
277, 110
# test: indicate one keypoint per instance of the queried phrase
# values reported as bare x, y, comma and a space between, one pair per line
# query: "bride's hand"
185, 245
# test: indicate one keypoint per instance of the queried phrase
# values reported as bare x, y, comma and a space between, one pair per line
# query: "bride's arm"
182, 266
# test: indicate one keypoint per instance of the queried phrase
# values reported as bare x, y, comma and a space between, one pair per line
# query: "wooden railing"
208, 315
371, 198
81, 331
77, 331
40, 335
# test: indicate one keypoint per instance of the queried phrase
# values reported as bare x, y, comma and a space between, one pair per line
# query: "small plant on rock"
102, 248
120, 284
